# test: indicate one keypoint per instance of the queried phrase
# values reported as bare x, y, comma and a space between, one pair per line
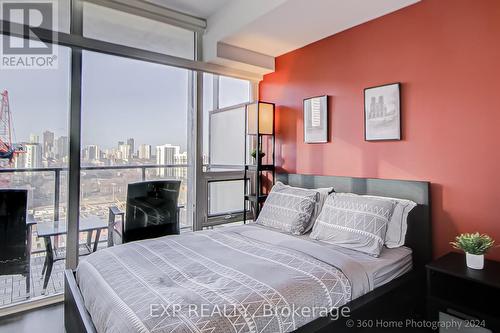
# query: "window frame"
231, 172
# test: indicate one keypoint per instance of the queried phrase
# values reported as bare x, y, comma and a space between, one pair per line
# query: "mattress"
255, 278
391, 263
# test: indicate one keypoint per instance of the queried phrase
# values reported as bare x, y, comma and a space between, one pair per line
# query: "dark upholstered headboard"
418, 236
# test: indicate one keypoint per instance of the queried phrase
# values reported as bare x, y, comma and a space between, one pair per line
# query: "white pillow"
354, 222
323, 194
398, 224
288, 208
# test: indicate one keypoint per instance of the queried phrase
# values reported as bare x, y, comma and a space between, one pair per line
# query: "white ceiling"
274, 27
297, 23
198, 8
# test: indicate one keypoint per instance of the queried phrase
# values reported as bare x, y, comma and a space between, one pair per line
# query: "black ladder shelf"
260, 168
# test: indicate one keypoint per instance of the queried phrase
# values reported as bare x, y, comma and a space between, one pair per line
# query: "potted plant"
254, 155
474, 246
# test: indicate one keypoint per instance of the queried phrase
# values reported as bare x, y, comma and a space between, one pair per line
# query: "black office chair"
152, 211
14, 238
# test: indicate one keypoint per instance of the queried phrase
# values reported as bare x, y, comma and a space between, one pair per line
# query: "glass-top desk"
47, 230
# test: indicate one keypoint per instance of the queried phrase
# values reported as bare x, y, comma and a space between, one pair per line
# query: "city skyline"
36, 138
49, 150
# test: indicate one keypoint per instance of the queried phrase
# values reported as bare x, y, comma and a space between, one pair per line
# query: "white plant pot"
474, 261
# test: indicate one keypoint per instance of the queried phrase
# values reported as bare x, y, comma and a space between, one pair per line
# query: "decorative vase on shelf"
474, 261
474, 246
260, 157
254, 160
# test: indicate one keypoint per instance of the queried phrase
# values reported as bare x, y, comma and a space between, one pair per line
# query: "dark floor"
49, 319
13, 287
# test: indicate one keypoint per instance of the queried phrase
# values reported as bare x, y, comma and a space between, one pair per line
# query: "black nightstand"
454, 289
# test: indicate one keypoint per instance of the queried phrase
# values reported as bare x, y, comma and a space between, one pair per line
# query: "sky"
124, 98
121, 98
39, 99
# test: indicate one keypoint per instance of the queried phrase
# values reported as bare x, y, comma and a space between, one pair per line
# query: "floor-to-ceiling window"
134, 128
34, 113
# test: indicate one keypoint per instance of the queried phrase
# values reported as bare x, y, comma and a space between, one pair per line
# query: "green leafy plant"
473, 243
254, 154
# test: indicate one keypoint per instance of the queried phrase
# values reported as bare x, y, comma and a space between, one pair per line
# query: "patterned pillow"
288, 208
354, 222
398, 224
323, 193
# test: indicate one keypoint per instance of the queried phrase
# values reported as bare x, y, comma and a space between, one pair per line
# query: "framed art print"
316, 119
383, 112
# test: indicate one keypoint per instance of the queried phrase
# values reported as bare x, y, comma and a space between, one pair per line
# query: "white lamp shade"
266, 118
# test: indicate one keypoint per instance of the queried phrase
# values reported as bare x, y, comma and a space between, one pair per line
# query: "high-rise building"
144, 152
125, 151
131, 143
165, 154
118, 155
62, 147
181, 158
92, 153
34, 138
111, 155
20, 161
48, 144
32, 156
108, 153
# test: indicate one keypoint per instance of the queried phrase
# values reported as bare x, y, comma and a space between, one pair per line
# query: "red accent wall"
446, 54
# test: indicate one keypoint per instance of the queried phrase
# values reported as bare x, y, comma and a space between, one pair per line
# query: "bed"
253, 270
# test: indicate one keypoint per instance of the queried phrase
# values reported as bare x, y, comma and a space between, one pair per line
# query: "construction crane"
7, 148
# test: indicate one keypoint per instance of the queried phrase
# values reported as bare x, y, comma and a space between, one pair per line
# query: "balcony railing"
165, 171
